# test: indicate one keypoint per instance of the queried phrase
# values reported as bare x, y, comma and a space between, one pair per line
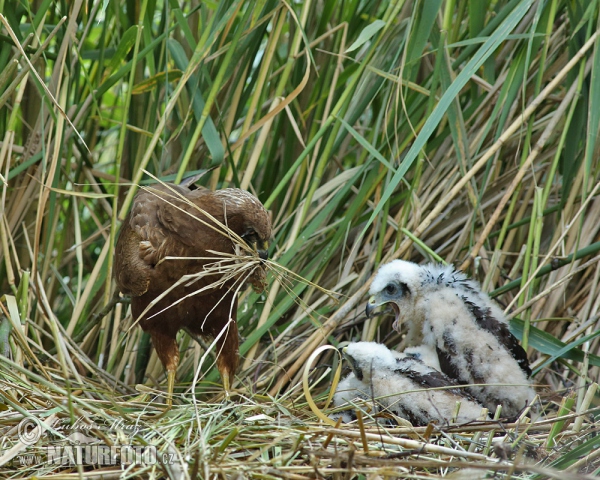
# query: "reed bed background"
456, 131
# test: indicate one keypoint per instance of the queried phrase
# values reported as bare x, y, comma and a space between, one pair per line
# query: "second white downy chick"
407, 387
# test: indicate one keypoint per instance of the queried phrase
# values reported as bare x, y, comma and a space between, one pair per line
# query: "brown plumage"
170, 220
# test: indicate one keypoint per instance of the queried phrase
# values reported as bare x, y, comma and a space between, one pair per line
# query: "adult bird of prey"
445, 310
167, 259
405, 386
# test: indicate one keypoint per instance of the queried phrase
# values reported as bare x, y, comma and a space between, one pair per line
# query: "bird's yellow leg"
226, 386
170, 387
169, 400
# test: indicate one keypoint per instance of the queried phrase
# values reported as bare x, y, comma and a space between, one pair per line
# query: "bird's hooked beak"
263, 251
371, 305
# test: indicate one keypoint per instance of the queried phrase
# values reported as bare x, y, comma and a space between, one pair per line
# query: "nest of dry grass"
258, 436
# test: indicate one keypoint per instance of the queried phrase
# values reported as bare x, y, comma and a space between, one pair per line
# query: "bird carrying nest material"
183, 255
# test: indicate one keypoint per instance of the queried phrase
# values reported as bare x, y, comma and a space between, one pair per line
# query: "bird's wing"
186, 182
168, 220
130, 273
485, 319
184, 217
141, 242
428, 377
446, 364
144, 220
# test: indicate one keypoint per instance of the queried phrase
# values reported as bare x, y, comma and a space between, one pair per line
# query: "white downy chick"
446, 311
350, 390
407, 387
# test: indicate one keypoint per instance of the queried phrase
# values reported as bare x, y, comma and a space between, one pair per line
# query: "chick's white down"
403, 385
350, 388
350, 391
353, 392
424, 353
446, 311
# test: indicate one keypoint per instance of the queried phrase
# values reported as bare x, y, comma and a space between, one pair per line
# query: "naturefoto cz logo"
78, 449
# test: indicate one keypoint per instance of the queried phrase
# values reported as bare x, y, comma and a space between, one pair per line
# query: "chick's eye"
391, 289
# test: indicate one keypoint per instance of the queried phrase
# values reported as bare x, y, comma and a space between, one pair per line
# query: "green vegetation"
461, 130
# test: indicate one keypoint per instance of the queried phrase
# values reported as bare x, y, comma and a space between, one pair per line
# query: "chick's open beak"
374, 302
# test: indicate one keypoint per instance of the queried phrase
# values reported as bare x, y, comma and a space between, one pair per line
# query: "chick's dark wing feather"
485, 320
428, 379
